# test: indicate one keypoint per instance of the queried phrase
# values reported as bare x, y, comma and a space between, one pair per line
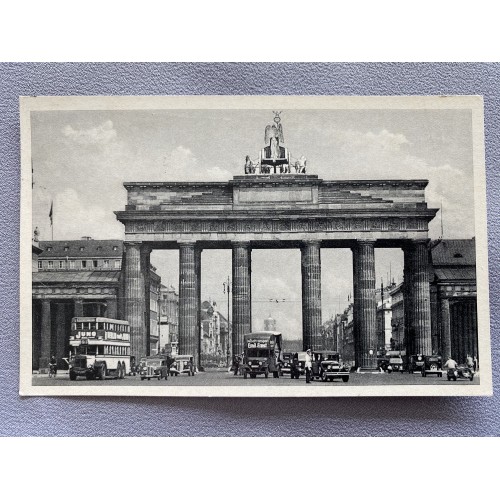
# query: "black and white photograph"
281, 246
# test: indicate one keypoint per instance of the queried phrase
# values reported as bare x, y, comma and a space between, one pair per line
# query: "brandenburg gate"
276, 204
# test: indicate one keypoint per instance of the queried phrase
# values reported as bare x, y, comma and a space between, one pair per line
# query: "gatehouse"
278, 210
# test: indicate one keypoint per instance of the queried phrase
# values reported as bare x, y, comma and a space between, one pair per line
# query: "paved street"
223, 378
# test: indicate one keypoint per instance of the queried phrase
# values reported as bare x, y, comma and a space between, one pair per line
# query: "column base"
368, 370
43, 366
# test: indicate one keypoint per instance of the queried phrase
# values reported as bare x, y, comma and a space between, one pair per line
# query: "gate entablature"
276, 207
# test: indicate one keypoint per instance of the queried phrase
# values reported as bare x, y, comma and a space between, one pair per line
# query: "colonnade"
416, 290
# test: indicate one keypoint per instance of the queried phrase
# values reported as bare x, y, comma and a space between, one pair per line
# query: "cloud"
102, 134
182, 164
74, 217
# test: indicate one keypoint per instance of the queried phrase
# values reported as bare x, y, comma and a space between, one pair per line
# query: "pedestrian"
308, 366
236, 364
475, 363
53, 365
470, 361
450, 364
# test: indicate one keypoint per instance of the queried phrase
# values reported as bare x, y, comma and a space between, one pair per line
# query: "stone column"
445, 329
407, 299
311, 294
78, 308
145, 269
197, 270
420, 300
111, 308
45, 337
242, 286
134, 300
188, 299
61, 333
365, 306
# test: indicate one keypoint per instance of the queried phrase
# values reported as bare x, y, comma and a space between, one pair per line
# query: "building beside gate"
76, 278
454, 298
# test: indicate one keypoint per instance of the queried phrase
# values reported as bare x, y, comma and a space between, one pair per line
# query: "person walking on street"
236, 364
470, 362
308, 366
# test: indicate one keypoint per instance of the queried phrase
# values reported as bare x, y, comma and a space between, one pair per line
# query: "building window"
61, 264
49, 249
95, 263
115, 248
50, 264
106, 263
72, 264
40, 265
66, 249
117, 264
84, 264
81, 249
99, 249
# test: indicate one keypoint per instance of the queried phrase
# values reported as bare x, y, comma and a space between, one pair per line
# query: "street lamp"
227, 289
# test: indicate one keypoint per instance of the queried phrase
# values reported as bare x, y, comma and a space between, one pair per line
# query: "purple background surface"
73, 416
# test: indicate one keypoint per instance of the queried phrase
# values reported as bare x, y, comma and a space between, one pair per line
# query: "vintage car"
286, 364
395, 364
433, 365
298, 365
461, 372
327, 366
415, 363
154, 367
182, 363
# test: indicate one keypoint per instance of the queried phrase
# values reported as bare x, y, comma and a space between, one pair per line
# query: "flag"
51, 210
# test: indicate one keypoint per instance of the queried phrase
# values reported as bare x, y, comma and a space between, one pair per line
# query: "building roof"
81, 248
454, 253
455, 274
75, 277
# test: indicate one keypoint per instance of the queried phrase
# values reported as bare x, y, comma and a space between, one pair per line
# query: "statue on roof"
274, 157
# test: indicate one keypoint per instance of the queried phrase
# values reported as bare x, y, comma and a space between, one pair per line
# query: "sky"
81, 159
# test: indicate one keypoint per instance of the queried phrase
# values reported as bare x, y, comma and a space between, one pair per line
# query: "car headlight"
260, 363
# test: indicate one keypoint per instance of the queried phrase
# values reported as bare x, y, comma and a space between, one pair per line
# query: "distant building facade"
168, 319
270, 324
397, 318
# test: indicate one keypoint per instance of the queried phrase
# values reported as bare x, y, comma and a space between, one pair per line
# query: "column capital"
132, 244
187, 244
411, 244
146, 248
365, 242
241, 244
311, 243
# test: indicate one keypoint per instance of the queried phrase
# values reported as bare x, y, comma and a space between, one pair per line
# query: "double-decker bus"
100, 347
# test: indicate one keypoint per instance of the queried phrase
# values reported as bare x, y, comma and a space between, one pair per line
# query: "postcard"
254, 246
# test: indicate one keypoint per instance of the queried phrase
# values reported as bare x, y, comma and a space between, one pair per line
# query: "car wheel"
102, 372
448, 377
292, 375
323, 377
253, 375
454, 379
266, 373
143, 378
72, 375
471, 378
245, 374
345, 378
